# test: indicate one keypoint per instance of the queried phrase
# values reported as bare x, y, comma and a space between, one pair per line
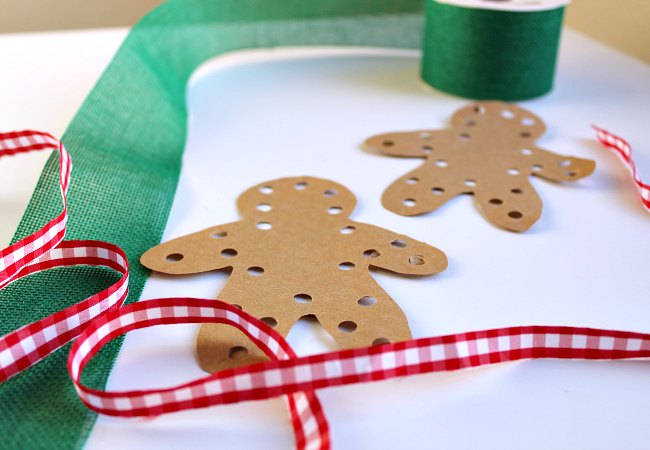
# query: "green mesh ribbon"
490, 54
126, 142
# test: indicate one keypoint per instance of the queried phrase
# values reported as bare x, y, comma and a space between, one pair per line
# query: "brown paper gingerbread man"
296, 253
488, 152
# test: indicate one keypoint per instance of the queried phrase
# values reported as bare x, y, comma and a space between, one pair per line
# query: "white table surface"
287, 113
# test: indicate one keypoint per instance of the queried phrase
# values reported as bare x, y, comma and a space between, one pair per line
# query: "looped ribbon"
45, 250
102, 317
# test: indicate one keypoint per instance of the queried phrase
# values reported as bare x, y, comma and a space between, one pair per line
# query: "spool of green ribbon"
492, 49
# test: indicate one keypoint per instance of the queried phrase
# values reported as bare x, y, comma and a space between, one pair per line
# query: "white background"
264, 115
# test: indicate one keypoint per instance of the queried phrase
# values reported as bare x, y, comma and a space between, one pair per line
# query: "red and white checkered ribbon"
285, 373
26, 346
46, 249
232, 386
623, 150
15, 257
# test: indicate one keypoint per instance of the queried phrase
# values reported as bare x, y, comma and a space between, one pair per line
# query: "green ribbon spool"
491, 52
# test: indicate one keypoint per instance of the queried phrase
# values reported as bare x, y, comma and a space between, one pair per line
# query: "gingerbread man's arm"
396, 252
210, 249
413, 144
554, 167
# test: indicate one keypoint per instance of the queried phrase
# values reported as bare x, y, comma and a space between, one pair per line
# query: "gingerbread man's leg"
515, 206
424, 189
222, 347
363, 314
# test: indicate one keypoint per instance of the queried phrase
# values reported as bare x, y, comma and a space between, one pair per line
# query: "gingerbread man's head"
296, 199
483, 119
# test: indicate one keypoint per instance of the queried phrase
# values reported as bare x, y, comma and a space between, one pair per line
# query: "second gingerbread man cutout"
296, 253
488, 152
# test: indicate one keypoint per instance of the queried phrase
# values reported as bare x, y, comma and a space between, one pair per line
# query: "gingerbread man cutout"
296, 253
488, 152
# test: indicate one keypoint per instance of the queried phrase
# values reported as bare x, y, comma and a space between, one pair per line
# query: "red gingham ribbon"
289, 375
308, 420
26, 346
102, 318
623, 150
45, 249
15, 257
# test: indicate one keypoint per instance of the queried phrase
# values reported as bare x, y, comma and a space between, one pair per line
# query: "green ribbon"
126, 142
490, 54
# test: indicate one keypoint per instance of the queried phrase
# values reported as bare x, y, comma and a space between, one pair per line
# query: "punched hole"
347, 326
441, 163
464, 137
218, 234
237, 353
255, 271
301, 185
329, 193
572, 174
266, 190
470, 122
264, 226
513, 171
388, 143
426, 149
334, 210
409, 202
229, 253
479, 109
302, 298
347, 265
371, 253
425, 135
516, 191
496, 201
174, 257
398, 243
537, 167
515, 215
270, 321
416, 260
438, 191
347, 230
526, 151
565, 163
507, 114
380, 341
525, 134
264, 207
470, 183
527, 122
367, 300
412, 180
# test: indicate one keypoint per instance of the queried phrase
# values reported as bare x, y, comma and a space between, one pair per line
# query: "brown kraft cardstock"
489, 152
297, 253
